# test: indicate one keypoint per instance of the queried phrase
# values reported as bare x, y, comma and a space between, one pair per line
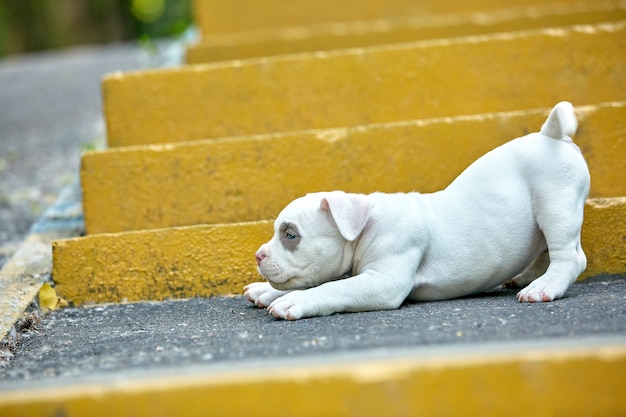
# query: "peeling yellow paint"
348, 34
333, 135
515, 71
251, 178
468, 383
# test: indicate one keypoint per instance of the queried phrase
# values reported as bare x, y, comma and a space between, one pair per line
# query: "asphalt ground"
76, 343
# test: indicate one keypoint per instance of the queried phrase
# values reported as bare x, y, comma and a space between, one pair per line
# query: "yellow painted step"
514, 71
204, 261
579, 380
251, 178
268, 42
197, 261
224, 16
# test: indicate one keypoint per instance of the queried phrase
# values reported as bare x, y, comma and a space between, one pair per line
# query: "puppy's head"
313, 240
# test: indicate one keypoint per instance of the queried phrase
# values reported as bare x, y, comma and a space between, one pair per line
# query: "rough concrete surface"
102, 340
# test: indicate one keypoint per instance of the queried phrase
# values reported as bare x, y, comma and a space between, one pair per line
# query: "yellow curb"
512, 71
320, 37
567, 381
22, 277
224, 16
204, 261
200, 261
251, 178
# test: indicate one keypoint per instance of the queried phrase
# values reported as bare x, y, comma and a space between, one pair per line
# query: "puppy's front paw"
261, 293
532, 297
291, 306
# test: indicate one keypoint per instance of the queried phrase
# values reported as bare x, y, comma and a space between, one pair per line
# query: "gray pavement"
107, 340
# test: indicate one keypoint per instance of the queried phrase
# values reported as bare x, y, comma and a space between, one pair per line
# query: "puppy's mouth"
299, 283
293, 283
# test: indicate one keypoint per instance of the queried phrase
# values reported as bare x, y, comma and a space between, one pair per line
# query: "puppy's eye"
290, 236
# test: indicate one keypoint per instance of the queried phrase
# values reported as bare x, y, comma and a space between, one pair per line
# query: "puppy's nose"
259, 255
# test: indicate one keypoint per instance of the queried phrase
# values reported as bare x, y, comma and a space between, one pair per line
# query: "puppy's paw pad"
545, 298
534, 296
292, 313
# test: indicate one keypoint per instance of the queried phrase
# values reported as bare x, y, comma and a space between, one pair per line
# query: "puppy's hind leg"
558, 203
567, 259
537, 268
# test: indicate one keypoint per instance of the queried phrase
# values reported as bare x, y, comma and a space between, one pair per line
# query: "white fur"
491, 226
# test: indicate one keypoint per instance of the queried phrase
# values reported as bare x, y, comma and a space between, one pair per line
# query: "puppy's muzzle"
261, 254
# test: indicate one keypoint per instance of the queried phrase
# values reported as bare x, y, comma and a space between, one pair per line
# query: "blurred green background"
35, 25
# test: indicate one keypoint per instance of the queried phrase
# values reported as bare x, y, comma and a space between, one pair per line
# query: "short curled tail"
561, 123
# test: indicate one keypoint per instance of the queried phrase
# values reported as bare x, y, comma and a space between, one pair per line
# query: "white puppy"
513, 215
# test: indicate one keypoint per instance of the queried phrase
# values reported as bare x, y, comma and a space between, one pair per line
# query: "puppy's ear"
349, 211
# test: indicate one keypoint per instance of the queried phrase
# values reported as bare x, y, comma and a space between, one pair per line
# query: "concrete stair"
419, 80
249, 178
413, 21
202, 157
